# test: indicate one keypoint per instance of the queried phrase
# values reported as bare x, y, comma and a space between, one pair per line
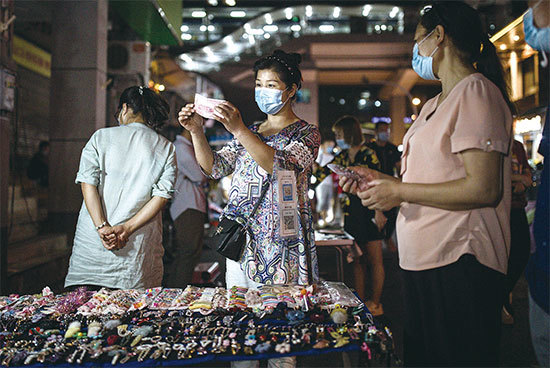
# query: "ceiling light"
416, 101
516, 38
295, 28
394, 12
213, 2
309, 11
336, 12
230, 2
210, 55
268, 18
203, 28
271, 28
186, 36
161, 87
366, 10
503, 47
211, 28
238, 14
186, 58
198, 14
256, 31
288, 13
383, 27
377, 27
231, 47
326, 28
184, 28
252, 40
267, 36
377, 103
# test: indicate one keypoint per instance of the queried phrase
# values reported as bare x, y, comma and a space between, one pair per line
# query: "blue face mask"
423, 65
537, 38
269, 100
342, 144
384, 136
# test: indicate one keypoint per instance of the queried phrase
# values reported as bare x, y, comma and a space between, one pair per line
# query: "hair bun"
296, 58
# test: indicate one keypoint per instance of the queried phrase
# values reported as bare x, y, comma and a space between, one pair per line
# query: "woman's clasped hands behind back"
114, 237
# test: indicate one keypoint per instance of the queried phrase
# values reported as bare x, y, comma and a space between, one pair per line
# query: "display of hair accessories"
124, 326
237, 297
146, 299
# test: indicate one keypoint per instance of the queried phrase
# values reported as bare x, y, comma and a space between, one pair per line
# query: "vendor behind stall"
127, 174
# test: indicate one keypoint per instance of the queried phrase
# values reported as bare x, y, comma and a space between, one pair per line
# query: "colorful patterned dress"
269, 258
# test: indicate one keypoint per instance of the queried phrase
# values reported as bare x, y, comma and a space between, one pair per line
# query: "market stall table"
347, 249
168, 327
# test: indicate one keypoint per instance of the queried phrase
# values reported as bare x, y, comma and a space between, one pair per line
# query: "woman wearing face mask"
281, 145
453, 227
360, 222
536, 24
127, 174
257, 154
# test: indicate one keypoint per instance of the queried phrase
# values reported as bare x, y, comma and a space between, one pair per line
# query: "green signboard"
156, 21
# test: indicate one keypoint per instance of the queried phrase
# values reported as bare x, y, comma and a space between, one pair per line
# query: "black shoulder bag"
231, 234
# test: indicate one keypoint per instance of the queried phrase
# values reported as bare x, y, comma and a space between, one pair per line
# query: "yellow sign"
31, 57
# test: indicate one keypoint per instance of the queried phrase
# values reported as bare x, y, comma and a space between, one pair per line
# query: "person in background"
325, 189
38, 167
127, 175
453, 227
519, 228
360, 222
280, 150
536, 24
188, 211
390, 164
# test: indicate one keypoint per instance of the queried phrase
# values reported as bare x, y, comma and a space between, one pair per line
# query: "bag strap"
265, 187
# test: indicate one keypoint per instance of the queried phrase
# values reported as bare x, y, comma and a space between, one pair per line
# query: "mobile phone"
343, 171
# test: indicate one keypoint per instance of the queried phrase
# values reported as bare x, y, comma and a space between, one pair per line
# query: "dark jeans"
453, 315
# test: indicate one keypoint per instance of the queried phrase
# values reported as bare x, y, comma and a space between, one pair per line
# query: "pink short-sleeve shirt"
473, 116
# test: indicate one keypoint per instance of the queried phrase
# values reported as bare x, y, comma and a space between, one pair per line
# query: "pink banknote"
205, 106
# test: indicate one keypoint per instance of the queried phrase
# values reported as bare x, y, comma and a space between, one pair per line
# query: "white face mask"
423, 65
270, 100
537, 38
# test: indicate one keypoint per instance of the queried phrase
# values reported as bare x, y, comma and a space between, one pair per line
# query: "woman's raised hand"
230, 117
189, 119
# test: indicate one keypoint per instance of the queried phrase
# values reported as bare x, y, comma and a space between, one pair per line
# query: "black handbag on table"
231, 234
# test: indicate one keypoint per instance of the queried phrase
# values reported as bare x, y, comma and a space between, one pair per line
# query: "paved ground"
516, 349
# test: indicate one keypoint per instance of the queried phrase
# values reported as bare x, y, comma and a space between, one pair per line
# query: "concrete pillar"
78, 99
398, 111
309, 111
